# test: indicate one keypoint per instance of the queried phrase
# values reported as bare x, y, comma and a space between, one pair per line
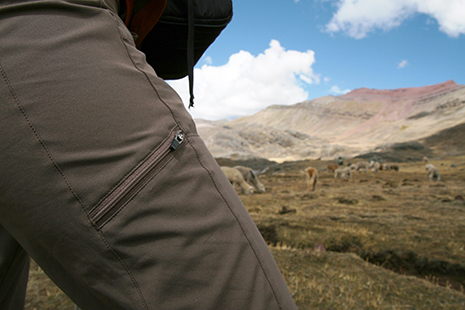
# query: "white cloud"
208, 60
337, 91
248, 83
402, 64
306, 79
359, 17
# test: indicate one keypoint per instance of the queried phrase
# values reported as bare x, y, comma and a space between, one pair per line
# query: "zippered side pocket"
136, 180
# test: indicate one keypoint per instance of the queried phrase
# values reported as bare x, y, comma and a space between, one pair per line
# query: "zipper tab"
178, 139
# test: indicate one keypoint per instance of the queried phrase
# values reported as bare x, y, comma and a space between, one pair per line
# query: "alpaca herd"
376, 166
248, 181
345, 172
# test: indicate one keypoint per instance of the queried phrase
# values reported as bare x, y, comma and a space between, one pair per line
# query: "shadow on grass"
405, 263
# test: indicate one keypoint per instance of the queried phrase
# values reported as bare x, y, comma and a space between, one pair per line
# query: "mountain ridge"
348, 125
403, 93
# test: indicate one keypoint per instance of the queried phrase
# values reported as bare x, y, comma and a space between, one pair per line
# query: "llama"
362, 165
235, 177
311, 175
375, 166
433, 172
332, 167
251, 178
344, 172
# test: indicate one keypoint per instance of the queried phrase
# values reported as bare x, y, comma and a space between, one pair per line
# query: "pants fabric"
104, 180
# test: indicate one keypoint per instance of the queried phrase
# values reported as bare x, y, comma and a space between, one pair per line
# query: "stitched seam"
142, 71
240, 225
133, 280
198, 159
128, 271
42, 143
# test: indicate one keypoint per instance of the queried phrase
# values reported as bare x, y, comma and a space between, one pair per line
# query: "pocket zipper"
130, 186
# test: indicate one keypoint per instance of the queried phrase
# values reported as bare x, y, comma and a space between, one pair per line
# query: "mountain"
361, 121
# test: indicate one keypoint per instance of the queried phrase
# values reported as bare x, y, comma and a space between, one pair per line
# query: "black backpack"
182, 34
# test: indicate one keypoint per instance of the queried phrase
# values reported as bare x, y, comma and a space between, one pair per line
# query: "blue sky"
288, 51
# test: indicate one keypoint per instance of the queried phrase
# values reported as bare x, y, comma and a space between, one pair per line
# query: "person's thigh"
105, 182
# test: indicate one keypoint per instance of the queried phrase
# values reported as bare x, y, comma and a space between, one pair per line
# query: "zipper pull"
178, 139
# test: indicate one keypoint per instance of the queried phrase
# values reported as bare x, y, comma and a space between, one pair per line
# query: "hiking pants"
104, 181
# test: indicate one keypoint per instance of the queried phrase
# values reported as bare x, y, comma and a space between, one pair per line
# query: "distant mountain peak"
405, 93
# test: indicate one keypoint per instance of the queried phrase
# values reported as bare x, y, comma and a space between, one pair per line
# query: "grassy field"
386, 240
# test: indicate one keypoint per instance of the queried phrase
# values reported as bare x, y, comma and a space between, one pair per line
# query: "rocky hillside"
359, 122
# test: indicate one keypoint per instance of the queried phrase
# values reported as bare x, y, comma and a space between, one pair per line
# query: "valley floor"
386, 240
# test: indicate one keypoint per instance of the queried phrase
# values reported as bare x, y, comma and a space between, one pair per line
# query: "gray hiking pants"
104, 180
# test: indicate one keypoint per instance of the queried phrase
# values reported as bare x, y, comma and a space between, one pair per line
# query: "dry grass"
332, 280
370, 225
43, 294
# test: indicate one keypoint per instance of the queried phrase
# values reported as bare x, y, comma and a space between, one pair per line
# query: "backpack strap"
145, 19
190, 50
